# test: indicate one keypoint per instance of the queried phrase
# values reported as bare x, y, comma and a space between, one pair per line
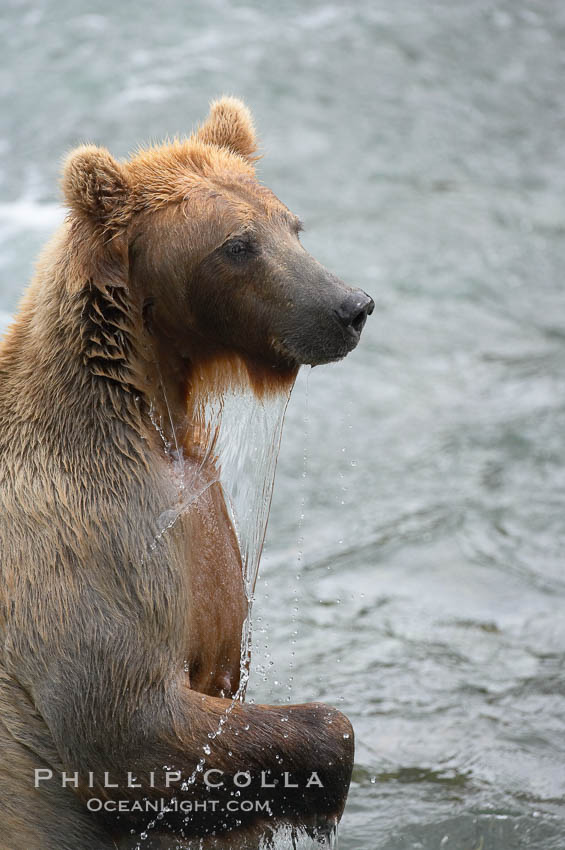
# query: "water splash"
274, 838
297, 838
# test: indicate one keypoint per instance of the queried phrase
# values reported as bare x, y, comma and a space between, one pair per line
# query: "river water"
414, 566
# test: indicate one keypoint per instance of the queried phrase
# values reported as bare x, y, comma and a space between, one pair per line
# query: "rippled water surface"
414, 565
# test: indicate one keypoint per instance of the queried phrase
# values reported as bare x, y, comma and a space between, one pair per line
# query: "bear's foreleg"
288, 763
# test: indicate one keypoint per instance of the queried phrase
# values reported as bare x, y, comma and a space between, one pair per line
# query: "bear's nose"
354, 309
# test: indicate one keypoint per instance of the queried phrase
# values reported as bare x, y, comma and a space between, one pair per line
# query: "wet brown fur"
113, 659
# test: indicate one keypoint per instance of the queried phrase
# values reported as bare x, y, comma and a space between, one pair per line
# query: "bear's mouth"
305, 355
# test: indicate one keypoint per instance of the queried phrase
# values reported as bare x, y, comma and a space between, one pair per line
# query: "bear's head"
212, 257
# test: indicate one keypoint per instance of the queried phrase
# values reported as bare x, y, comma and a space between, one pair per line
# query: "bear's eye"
238, 249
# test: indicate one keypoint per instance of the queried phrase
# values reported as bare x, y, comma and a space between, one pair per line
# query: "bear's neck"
72, 365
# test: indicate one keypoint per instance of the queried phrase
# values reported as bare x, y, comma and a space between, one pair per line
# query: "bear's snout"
354, 309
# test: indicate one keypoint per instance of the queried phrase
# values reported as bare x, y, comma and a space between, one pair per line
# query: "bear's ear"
230, 125
95, 185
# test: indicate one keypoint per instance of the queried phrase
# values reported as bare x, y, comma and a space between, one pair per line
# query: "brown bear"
121, 640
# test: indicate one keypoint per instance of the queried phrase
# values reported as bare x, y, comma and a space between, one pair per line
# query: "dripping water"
300, 553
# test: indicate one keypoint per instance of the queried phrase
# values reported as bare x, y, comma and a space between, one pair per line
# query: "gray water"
413, 573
